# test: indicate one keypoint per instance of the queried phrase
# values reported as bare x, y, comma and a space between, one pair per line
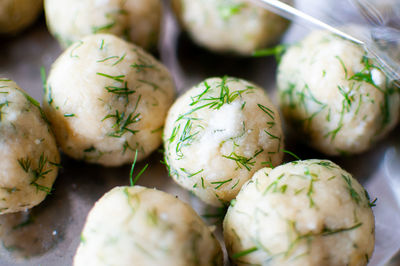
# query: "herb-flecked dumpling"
137, 21
236, 26
338, 97
29, 155
16, 15
141, 226
106, 99
218, 134
301, 213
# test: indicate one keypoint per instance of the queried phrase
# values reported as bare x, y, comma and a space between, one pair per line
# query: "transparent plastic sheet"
376, 23
53, 236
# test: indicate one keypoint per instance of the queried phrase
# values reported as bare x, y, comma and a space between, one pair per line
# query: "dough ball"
141, 226
335, 95
16, 15
137, 21
230, 25
29, 155
106, 99
218, 134
301, 213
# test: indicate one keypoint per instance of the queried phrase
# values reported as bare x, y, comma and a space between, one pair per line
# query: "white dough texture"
106, 99
29, 157
16, 15
304, 213
338, 97
137, 21
230, 25
140, 226
218, 134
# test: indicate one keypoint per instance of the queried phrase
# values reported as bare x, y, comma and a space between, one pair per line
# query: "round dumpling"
29, 155
230, 25
106, 99
16, 15
136, 20
218, 134
141, 226
333, 93
301, 213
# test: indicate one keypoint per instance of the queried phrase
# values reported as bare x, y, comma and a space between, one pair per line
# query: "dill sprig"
152, 84
36, 173
123, 121
267, 110
240, 160
6, 103
353, 193
291, 154
226, 96
227, 10
274, 186
186, 138
309, 236
312, 177
142, 65
244, 253
118, 78
44, 79
276, 51
220, 183
73, 49
134, 180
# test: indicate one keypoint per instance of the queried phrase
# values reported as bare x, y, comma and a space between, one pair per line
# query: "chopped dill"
274, 186
276, 51
76, 46
326, 164
353, 193
123, 121
102, 44
220, 183
44, 79
160, 129
90, 149
186, 138
152, 84
227, 10
142, 65
36, 173
107, 58
266, 110
244, 253
119, 78
134, 180
292, 154
343, 66
105, 27
312, 178
247, 163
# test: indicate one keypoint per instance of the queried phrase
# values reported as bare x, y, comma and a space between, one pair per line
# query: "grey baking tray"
50, 233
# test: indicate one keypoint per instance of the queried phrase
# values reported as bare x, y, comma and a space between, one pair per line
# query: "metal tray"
50, 233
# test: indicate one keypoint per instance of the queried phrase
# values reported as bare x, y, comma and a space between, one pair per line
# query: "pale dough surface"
218, 134
29, 155
230, 25
106, 99
301, 213
335, 95
142, 226
136, 20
